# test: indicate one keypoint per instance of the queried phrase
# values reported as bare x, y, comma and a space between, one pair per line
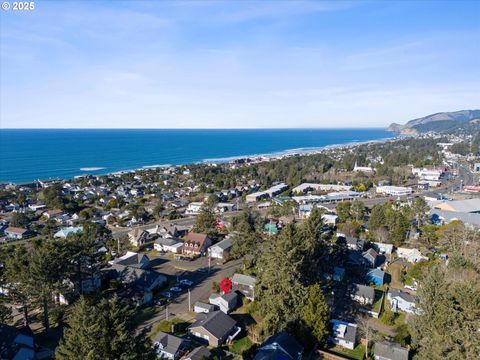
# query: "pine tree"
103, 331
279, 287
315, 313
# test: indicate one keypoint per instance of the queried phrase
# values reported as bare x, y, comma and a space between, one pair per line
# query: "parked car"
167, 294
185, 282
176, 289
202, 270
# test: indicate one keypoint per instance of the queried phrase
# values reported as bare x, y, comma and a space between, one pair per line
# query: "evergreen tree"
206, 222
103, 331
315, 313
449, 316
279, 288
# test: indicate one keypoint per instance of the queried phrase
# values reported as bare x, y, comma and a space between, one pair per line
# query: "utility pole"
189, 301
166, 312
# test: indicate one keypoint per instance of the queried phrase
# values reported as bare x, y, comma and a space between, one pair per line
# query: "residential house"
382, 248
376, 276
216, 328
226, 302
362, 294
196, 244
16, 233
172, 231
370, 257
200, 307
354, 243
280, 346
139, 237
65, 232
411, 255
139, 283
199, 353
400, 300
343, 334
330, 219
17, 344
390, 351
168, 245
221, 250
169, 346
133, 259
193, 208
245, 285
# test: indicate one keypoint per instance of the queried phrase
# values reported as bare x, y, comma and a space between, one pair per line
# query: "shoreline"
253, 158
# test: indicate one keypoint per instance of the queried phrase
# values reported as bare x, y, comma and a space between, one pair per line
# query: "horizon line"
246, 128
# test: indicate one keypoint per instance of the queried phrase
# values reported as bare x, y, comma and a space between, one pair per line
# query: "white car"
186, 282
410, 287
176, 289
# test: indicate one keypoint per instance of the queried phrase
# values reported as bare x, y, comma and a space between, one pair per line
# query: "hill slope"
439, 122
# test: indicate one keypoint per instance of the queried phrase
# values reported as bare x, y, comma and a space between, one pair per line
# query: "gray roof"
169, 343
230, 297
134, 260
350, 333
243, 280
167, 241
199, 353
468, 205
216, 323
367, 292
225, 244
472, 219
209, 307
402, 294
391, 351
139, 277
370, 252
280, 346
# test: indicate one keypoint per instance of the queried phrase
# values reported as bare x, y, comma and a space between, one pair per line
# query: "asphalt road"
199, 291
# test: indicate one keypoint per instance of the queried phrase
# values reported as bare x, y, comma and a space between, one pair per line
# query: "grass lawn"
240, 345
400, 319
355, 354
378, 301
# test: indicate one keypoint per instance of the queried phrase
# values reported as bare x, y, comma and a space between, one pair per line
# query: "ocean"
27, 155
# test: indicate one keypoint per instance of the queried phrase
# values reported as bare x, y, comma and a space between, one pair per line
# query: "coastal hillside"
440, 122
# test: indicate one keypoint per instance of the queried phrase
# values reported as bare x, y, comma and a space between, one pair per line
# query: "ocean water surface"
30, 154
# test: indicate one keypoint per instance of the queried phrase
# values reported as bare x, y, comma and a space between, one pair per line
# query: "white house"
64, 232
200, 307
168, 245
394, 190
383, 248
169, 346
226, 303
400, 300
330, 219
411, 255
221, 250
193, 208
343, 334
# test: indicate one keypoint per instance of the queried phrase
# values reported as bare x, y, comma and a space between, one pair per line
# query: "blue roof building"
376, 276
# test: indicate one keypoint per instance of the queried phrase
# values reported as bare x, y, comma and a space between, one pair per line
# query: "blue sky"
236, 64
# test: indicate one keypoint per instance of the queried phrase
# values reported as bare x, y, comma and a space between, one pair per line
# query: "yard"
356, 354
241, 345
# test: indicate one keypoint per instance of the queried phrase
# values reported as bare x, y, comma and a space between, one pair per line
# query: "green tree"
103, 331
343, 210
449, 316
19, 220
357, 210
315, 313
205, 222
280, 292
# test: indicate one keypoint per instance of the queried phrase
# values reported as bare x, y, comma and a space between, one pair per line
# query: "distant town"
330, 255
